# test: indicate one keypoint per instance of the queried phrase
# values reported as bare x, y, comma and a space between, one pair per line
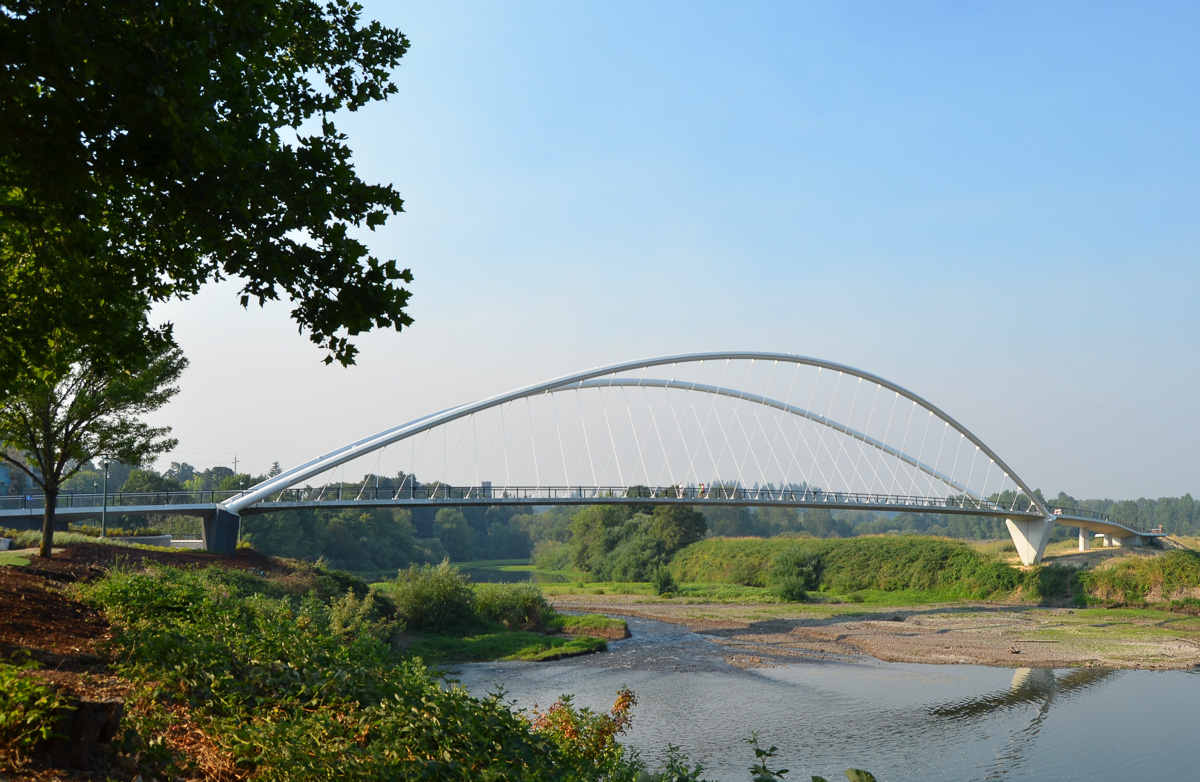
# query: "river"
899, 721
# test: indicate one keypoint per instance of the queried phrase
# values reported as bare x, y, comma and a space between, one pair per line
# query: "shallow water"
899, 721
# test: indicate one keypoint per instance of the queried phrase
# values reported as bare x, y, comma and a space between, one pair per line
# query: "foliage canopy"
151, 146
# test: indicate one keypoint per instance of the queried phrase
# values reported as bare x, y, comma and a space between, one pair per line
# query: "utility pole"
104, 507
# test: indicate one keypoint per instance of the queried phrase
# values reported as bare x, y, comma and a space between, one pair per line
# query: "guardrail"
117, 499
511, 494
1082, 513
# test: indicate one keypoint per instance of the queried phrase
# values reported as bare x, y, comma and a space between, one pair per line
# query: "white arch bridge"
722, 428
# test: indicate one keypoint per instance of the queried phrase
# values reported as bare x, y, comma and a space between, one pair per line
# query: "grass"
14, 558
596, 624
500, 644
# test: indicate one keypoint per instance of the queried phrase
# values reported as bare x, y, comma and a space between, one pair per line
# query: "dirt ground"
39, 620
980, 634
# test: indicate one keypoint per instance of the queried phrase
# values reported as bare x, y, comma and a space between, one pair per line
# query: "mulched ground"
40, 620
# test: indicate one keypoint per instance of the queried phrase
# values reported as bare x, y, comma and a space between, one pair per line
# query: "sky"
994, 205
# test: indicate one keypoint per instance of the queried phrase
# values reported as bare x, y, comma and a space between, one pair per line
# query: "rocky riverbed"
980, 634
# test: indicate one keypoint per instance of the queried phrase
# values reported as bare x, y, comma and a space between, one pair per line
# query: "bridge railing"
1091, 514
510, 494
117, 499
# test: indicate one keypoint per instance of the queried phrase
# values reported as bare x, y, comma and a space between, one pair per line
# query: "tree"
451, 528
52, 428
150, 146
678, 526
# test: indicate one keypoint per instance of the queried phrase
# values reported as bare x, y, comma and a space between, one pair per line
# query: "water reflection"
902, 721
488, 575
1040, 687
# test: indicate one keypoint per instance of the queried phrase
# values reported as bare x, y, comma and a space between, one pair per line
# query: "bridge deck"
76, 508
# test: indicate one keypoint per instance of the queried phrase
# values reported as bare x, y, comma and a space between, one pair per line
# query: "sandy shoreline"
978, 634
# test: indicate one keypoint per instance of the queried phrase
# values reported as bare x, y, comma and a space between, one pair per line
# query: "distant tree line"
625, 542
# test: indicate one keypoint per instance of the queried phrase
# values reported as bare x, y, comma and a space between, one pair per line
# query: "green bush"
663, 582
433, 599
949, 568
791, 589
796, 571
1131, 579
286, 695
1053, 583
516, 606
374, 616
27, 709
287, 690
93, 531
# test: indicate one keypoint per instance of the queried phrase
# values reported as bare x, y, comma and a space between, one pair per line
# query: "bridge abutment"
1030, 537
221, 532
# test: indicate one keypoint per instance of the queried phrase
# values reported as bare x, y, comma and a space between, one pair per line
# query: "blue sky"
993, 204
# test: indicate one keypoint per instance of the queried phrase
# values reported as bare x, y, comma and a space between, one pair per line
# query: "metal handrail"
716, 493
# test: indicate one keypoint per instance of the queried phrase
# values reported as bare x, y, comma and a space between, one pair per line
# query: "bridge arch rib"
719, 417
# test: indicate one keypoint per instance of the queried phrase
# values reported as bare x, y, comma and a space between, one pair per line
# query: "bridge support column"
1030, 537
1085, 539
221, 532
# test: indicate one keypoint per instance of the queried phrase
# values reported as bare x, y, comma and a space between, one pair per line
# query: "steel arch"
590, 378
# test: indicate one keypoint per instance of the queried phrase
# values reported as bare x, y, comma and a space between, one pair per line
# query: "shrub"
433, 599
663, 582
886, 563
795, 572
792, 589
373, 616
1130, 579
93, 531
1053, 583
516, 606
285, 697
27, 709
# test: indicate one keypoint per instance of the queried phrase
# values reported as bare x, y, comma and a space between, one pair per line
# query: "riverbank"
965, 633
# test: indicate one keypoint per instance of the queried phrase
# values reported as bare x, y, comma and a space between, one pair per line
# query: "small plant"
663, 582
27, 709
760, 770
587, 735
373, 616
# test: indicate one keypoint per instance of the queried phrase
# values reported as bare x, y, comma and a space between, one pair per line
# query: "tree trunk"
48, 523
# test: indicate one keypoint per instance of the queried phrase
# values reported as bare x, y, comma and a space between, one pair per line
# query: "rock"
84, 724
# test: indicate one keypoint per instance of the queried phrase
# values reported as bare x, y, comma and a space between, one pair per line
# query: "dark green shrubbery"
299, 689
886, 563
516, 606
93, 531
1131, 580
288, 685
433, 599
663, 582
1053, 584
795, 572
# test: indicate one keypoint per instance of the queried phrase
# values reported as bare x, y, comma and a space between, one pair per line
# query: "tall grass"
949, 568
1131, 580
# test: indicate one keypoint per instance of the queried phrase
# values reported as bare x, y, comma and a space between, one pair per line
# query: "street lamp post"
104, 506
